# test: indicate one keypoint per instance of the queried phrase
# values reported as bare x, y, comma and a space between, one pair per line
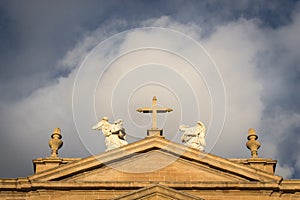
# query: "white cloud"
234, 47
286, 171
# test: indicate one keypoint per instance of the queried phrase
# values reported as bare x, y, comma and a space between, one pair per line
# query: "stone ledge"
149, 144
25, 184
264, 164
42, 164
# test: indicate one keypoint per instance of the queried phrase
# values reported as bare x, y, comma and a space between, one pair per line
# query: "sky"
234, 65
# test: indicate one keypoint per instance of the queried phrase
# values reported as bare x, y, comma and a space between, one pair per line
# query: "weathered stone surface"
143, 147
264, 164
156, 165
42, 164
157, 192
153, 168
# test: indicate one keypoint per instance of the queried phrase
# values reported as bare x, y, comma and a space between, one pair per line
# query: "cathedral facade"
152, 168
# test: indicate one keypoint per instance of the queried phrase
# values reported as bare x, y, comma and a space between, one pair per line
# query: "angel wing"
104, 126
201, 132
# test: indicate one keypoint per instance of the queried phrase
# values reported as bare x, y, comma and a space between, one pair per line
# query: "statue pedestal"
154, 132
265, 164
42, 164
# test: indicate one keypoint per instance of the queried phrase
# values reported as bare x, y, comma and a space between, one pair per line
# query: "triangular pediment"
154, 159
157, 192
156, 165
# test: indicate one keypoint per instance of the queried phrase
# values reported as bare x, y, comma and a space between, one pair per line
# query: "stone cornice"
115, 155
26, 185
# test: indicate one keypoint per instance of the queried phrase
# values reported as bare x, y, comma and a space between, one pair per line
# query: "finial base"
154, 132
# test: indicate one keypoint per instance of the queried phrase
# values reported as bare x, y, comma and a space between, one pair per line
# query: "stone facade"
152, 168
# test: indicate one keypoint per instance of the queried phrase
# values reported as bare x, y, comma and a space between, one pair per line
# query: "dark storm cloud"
36, 35
281, 95
54, 17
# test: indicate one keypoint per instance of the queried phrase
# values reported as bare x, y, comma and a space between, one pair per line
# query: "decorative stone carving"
194, 137
55, 143
114, 133
252, 144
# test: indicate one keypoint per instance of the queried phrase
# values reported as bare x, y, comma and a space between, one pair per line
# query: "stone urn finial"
252, 144
55, 143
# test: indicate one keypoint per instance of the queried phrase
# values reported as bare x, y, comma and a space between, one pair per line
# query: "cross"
154, 110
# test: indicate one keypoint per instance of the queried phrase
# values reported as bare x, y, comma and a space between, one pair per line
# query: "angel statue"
115, 135
194, 137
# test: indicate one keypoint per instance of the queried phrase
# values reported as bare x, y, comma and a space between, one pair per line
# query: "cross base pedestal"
154, 132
